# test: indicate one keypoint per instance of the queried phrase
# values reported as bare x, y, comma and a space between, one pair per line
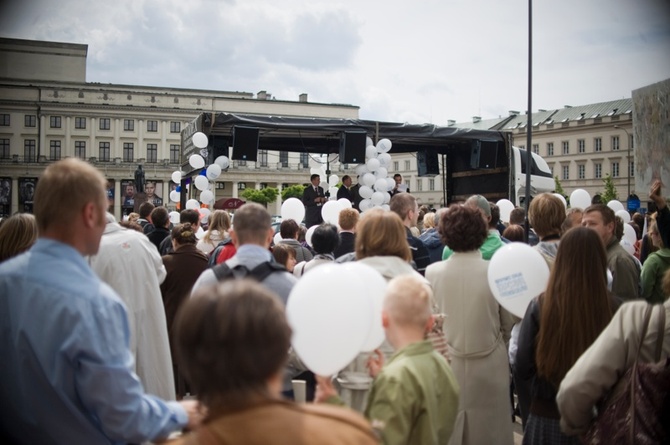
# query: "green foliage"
264, 196
558, 188
293, 191
610, 192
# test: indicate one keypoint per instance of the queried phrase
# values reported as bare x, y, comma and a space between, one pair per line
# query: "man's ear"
233, 238
430, 323
271, 235
385, 319
90, 214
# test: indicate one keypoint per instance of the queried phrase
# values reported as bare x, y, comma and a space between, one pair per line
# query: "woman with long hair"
219, 224
17, 234
559, 326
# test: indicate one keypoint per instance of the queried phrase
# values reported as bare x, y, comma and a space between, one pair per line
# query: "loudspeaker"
427, 163
352, 147
484, 154
218, 146
245, 143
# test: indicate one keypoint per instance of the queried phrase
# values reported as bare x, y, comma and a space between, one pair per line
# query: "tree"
293, 191
558, 188
610, 191
264, 196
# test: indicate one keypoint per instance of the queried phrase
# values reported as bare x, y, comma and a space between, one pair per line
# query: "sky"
422, 61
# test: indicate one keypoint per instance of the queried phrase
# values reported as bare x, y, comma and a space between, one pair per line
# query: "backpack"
259, 273
214, 254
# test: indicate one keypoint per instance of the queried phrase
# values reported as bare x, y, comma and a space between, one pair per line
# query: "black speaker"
427, 163
352, 147
218, 146
245, 143
484, 154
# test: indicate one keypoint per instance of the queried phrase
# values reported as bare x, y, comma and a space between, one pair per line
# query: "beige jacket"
608, 358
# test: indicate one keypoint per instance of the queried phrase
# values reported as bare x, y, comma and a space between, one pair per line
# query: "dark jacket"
347, 242
431, 239
158, 235
312, 209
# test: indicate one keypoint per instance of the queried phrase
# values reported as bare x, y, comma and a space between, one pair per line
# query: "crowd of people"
131, 331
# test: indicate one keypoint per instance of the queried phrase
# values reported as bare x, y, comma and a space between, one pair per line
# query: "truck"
468, 161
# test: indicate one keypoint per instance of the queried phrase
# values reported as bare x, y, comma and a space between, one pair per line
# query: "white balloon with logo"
384, 146
629, 234
196, 161
213, 172
223, 162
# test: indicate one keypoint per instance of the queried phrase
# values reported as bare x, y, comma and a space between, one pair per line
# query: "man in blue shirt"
67, 369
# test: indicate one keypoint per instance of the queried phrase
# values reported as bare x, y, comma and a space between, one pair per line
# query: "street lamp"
618, 127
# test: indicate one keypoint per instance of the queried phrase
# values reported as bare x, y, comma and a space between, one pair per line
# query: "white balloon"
377, 198
223, 162
580, 198
562, 198
384, 145
629, 234
384, 159
323, 181
174, 217
277, 238
368, 141
365, 204
308, 235
381, 185
345, 203
294, 209
174, 196
365, 192
375, 287
387, 198
361, 169
213, 171
200, 140
176, 176
340, 291
506, 207
201, 182
192, 204
369, 179
623, 214
628, 247
333, 193
206, 197
381, 173
330, 212
517, 274
370, 152
615, 205
386, 207
333, 180
315, 171
199, 233
373, 164
196, 161
204, 214
390, 183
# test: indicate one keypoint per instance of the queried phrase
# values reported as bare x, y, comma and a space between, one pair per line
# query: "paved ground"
518, 432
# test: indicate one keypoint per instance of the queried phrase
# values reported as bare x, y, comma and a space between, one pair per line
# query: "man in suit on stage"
313, 198
344, 190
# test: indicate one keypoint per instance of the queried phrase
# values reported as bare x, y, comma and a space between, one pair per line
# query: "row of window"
104, 123
597, 170
581, 146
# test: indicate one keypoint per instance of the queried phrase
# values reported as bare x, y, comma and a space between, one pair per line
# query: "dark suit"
347, 242
312, 208
344, 192
355, 196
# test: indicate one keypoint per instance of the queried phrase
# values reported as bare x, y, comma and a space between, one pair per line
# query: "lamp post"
618, 127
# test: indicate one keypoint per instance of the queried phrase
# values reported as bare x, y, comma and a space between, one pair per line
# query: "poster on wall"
131, 199
26, 194
127, 197
151, 189
5, 197
110, 196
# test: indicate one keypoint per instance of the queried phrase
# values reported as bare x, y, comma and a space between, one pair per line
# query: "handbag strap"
631, 386
661, 333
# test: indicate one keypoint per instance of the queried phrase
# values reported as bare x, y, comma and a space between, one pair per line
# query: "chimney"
541, 110
476, 119
262, 95
567, 106
513, 113
303, 98
451, 123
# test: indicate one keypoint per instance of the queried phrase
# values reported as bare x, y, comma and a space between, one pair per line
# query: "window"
128, 152
536, 149
4, 120
615, 169
29, 150
396, 166
152, 153
220, 185
55, 121
80, 123
128, 125
80, 149
597, 144
241, 163
4, 148
241, 185
581, 144
263, 158
566, 147
631, 169
566, 172
174, 153
30, 120
581, 170
283, 158
103, 155
631, 142
175, 127
550, 148
152, 126
407, 165
304, 160
431, 184
54, 150
419, 185
263, 185
104, 123
598, 170
615, 143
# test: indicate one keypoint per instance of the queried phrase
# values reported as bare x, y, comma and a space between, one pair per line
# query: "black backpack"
259, 273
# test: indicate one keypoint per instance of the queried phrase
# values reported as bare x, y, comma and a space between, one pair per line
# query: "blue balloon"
203, 172
178, 189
